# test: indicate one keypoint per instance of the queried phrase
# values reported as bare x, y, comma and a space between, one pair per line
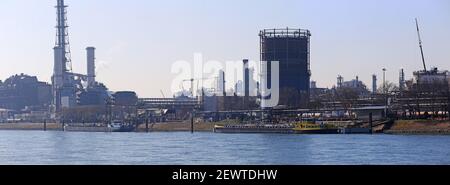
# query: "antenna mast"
62, 35
420, 45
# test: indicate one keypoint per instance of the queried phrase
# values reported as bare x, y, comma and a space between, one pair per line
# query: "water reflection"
36, 147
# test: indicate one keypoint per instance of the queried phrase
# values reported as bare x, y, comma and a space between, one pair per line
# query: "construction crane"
192, 80
421, 46
162, 93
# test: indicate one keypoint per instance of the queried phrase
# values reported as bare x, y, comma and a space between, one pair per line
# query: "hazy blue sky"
138, 40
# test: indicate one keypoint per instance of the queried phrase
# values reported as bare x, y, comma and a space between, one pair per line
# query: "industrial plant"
79, 101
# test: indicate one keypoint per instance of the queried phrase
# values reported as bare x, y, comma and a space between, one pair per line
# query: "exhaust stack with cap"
90, 66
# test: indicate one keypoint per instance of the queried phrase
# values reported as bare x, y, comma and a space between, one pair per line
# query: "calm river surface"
37, 147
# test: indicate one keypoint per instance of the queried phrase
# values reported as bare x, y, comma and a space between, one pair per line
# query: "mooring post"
192, 122
45, 125
371, 122
63, 126
448, 105
146, 125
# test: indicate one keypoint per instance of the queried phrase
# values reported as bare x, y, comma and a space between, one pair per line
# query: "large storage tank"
291, 47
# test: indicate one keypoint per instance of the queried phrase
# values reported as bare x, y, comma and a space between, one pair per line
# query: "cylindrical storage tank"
90, 65
291, 48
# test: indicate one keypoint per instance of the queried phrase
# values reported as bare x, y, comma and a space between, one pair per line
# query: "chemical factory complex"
76, 100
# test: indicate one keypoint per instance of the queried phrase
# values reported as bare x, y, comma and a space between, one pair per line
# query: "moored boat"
119, 126
115, 126
301, 128
310, 128
253, 128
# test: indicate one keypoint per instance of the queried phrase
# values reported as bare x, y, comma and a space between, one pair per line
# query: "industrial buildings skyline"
383, 36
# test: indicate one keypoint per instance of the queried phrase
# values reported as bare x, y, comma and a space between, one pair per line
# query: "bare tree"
348, 97
390, 88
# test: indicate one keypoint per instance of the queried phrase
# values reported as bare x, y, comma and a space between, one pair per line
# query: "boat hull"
274, 130
254, 130
123, 129
86, 129
97, 129
317, 131
355, 131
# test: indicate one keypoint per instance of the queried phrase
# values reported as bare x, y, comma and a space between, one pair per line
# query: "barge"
253, 128
116, 126
302, 128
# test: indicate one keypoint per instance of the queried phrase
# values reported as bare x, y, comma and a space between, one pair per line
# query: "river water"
174, 148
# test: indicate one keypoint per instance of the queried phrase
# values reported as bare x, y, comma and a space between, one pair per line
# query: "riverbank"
400, 127
155, 127
420, 127
31, 126
177, 127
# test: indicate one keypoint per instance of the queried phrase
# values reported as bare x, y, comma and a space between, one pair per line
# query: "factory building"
431, 76
291, 47
356, 85
125, 98
70, 89
96, 94
63, 80
229, 103
21, 91
239, 88
316, 93
243, 98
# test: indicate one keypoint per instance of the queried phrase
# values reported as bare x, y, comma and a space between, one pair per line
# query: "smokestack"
58, 76
58, 66
374, 84
221, 84
340, 81
90, 66
357, 81
246, 78
402, 80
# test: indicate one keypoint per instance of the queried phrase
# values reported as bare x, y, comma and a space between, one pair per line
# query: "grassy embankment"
29, 126
432, 127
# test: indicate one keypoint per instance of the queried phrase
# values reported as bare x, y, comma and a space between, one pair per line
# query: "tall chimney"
58, 67
402, 80
58, 77
221, 84
374, 84
246, 78
357, 81
90, 66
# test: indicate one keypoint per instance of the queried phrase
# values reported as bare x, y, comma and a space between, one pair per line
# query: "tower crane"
421, 46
